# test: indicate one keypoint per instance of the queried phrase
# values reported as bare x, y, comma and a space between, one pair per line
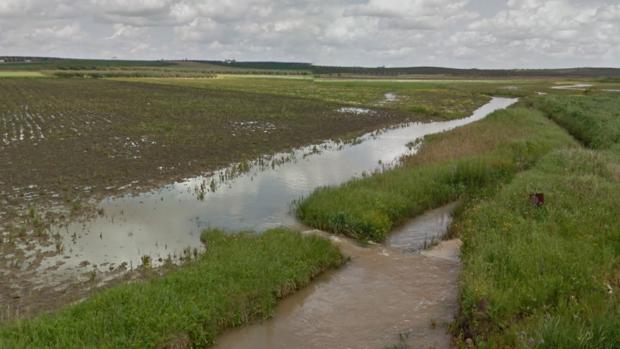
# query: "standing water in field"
167, 222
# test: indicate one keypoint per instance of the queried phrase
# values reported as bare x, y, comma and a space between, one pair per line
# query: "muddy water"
385, 296
167, 222
424, 231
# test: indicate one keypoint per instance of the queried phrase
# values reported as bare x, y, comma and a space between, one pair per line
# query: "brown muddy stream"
385, 296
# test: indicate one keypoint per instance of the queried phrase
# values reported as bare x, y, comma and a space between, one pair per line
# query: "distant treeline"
384, 71
270, 67
50, 63
262, 65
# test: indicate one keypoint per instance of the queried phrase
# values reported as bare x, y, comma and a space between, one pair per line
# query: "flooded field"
164, 224
165, 221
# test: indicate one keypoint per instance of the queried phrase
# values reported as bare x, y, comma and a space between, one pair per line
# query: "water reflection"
163, 222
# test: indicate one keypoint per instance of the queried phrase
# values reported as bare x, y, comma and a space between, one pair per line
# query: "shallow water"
390, 97
163, 222
383, 297
576, 87
423, 231
581, 87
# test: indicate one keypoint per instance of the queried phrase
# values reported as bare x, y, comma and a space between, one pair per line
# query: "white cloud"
14, 7
527, 33
413, 14
133, 8
69, 32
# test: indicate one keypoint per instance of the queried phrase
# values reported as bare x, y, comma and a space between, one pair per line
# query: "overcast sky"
455, 33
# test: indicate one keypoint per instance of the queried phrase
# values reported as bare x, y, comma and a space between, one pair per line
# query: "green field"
21, 74
425, 100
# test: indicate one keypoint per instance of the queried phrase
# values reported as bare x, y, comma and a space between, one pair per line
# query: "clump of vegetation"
545, 277
448, 167
238, 279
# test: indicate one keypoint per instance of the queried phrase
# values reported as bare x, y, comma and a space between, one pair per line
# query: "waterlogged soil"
386, 296
163, 225
63, 141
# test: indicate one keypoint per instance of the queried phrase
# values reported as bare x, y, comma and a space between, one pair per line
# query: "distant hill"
404, 71
569, 72
51, 63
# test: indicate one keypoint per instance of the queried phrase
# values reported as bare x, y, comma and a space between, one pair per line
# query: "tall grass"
545, 277
237, 280
449, 166
593, 119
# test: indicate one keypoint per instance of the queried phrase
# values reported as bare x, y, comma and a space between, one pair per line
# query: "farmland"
67, 140
72, 133
64, 140
66, 143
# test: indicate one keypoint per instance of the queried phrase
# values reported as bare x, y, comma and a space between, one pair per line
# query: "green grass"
238, 279
438, 100
21, 74
593, 119
449, 166
545, 277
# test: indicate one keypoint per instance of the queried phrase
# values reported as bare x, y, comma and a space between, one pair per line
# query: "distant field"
20, 74
439, 100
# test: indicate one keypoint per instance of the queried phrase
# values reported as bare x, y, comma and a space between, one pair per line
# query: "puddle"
356, 110
581, 87
511, 88
576, 87
381, 298
390, 97
167, 222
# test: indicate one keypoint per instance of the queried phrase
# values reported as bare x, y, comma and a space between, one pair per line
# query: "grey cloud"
461, 33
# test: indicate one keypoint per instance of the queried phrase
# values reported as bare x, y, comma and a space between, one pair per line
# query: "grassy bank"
545, 277
594, 120
237, 280
449, 166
